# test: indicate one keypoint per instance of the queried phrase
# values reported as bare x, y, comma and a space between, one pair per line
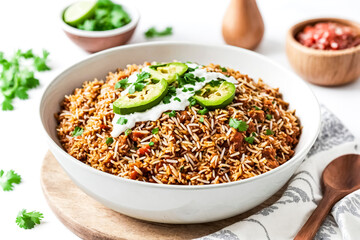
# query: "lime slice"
79, 12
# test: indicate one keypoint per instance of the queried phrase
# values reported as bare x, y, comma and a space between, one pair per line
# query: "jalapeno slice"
168, 71
150, 96
213, 97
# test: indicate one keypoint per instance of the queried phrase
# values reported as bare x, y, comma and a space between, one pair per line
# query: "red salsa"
328, 36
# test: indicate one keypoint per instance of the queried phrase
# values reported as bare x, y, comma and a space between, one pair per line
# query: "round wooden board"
89, 219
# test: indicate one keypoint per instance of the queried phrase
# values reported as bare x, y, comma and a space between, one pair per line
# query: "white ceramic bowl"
170, 203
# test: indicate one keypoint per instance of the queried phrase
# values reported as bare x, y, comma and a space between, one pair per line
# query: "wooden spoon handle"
308, 231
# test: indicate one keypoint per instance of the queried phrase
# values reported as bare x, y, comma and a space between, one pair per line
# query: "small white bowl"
172, 203
94, 41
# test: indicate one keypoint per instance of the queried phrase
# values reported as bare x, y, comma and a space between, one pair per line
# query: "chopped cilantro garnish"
7, 180
140, 83
250, 139
78, 131
16, 79
107, 16
223, 69
127, 132
155, 130
203, 111
269, 132
152, 32
177, 99
181, 168
188, 78
201, 119
192, 101
268, 116
151, 143
171, 114
109, 140
240, 125
122, 83
28, 220
257, 108
171, 92
122, 121
215, 83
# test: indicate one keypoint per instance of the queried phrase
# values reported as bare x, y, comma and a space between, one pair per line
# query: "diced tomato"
144, 149
328, 36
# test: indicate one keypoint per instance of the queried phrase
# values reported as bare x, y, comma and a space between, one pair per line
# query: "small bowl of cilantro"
95, 25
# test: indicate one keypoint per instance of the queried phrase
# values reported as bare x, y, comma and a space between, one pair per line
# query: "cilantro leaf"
122, 121
127, 132
171, 92
122, 83
6, 105
215, 83
250, 140
7, 180
257, 108
201, 119
155, 131
151, 143
223, 69
78, 131
109, 140
269, 132
21, 93
192, 101
28, 220
240, 125
203, 111
171, 114
177, 99
40, 62
269, 116
152, 32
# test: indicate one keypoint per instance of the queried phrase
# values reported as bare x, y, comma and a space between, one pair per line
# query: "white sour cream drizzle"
155, 112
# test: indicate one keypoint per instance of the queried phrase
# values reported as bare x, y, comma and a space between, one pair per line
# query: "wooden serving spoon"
340, 178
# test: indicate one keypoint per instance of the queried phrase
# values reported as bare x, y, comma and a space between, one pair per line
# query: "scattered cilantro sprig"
140, 82
109, 140
171, 114
123, 83
28, 220
240, 125
269, 132
17, 75
78, 131
155, 131
153, 32
203, 111
7, 180
122, 121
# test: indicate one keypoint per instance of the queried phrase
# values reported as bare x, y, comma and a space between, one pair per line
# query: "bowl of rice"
177, 132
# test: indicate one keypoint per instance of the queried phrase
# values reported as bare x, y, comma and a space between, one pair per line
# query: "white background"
34, 24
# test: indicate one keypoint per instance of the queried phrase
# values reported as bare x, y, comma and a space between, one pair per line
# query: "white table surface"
33, 24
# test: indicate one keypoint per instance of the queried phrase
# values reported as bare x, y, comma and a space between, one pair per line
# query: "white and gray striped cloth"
284, 218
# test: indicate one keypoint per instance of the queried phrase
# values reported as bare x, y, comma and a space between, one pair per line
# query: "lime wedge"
79, 12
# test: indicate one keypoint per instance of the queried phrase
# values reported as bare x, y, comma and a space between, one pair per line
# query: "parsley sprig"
7, 180
17, 75
28, 220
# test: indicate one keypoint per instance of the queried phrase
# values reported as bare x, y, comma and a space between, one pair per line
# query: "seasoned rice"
186, 151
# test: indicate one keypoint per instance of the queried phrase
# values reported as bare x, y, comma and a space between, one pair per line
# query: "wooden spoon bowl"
340, 178
323, 67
